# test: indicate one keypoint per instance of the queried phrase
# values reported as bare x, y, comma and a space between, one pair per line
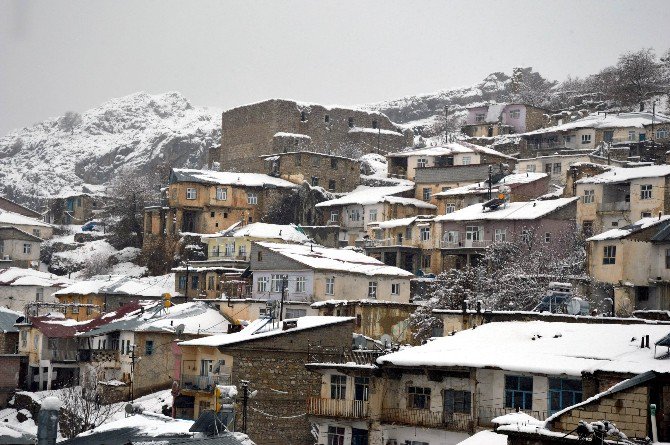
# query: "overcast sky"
57, 56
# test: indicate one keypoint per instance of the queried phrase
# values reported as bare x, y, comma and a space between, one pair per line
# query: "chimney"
47, 421
479, 306
464, 306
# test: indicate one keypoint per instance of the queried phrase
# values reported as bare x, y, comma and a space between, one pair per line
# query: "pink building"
496, 119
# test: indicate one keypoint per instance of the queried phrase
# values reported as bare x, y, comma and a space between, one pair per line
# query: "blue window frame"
518, 392
182, 282
563, 393
69, 204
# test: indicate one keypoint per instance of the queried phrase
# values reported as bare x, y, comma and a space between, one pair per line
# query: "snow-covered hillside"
138, 131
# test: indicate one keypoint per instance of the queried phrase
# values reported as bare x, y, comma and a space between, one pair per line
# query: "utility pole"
284, 286
379, 137
132, 372
490, 179
653, 118
186, 289
245, 401
446, 124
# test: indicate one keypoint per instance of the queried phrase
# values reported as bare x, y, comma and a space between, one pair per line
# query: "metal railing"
619, 206
351, 409
487, 414
98, 355
63, 355
204, 383
428, 418
467, 244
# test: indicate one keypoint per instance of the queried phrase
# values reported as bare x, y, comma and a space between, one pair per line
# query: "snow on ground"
11, 426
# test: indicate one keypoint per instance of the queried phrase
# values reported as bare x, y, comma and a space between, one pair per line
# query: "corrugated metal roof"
474, 173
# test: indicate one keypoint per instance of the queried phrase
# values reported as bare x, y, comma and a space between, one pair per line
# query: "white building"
19, 287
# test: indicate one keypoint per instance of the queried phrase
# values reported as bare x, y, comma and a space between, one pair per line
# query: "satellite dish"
360, 342
574, 306
128, 408
179, 329
387, 341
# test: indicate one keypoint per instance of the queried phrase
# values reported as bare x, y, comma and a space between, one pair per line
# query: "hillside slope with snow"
139, 132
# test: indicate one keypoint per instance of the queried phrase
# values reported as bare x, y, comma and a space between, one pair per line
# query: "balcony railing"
205, 383
387, 242
63, 355
229, 256
350, 409
619, 206
487, 414
465, 244
428, 418
98, 355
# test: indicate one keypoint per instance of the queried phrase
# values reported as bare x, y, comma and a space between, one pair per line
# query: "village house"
406, 164
658, 131
621, 196
20, 287
76, 206
523, 186
439, 392
309, 273
269, 355
137, 349
555, 165
33, 226
19, 248
337, 174
10, 206
88, 299
196, 281
635, 260
406, 243
281, 126
355, 211
13, 367
497, 119
463, 235
204, 201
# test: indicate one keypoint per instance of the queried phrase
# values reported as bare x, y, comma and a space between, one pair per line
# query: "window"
479, 117
303, 116
500, 235
298, 160
252, 199
230, 249
547, 168
204, 405
408, 233
662, 133
182, 282
586, 139
567, 139
518, 392
425, 233
457, 401
331, 185
315, 181
260, 256
355, 215
473, 233
608, 135
515, 114
422, 162
589, 197
645, 191
326, 118
451, 208
2, 246
526, 236
330, 286
563, 393
547, 237
27, 248
372, 289
195, 281
221, 193
373, 215
191, 193
335, 435
39, 295
37, 232
300, 284
427, 193
338, 386
316, 160
609, 255
557, 168
361, 388
667, 258
334, 216
243, 251
75, 309
276, 283
89, 309
149, 347
531, 168
645, 215
466, 160
418, 397
351, 122
333, 163
374, 124
262, 284
395, 289
210, 283
78, 202
631, 135
295, 313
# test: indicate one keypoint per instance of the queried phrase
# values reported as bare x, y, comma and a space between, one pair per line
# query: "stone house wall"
8, 343
334, 173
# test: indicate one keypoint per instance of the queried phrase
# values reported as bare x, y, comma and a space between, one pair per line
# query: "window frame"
262, 284
589, 196
338, 386
221, 193
519, 390
418, 397
395, 288
646, 191
609, 255
191, 193
330, 286
372, 290
252, 198
300, 284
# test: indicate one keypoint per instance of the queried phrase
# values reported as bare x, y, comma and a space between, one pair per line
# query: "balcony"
63, 355
427, 418
98, 355
618, 206
465, 244
349, 409
487, 414
204, 383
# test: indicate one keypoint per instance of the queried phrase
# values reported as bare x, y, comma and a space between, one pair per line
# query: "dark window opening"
351, 122
303, 116
374, 124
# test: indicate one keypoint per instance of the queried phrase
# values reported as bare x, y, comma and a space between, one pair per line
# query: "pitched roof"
623, 232
341, 260
8, 318
530, 210
228, 178
552, 348
285, 232
10, 232
621, 174
609, 120
449, 149
149, 287
16, 219
18, 276
365, 195
482, 187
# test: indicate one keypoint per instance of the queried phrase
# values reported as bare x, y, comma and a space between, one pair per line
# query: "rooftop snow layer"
16, 276
482, 187
609, 120
552, 348
623, 232
511, 211
365, 195
228, 178
449, 149
344, 260
16, 219
286, 232
122, 285
616, 175
7, 319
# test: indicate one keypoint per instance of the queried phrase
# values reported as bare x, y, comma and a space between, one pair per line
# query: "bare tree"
69, 121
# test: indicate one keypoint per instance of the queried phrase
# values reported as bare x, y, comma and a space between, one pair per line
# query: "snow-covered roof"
365, 195
228, 178
122, 285
616, 175
341, 260
529, 210
403, 222
449, 149
16, 276
264, 328
485, 437
81, 190
286, 232
553, 348
482, 187
283, 134
609, 120
622, 232
8, 218
7, 319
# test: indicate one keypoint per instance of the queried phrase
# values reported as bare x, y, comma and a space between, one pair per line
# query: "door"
359, 437
608, 136
472, 235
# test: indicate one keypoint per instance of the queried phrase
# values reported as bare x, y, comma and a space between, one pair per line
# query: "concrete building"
280, 126
76, 206
14, 207
556, 166
499, 119
621, 196
20, 287
33, 226
19, 248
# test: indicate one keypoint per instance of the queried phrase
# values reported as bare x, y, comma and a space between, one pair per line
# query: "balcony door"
359, 437
473, 234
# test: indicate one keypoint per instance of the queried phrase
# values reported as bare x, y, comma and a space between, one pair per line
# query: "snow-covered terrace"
366, 195
449, 149
482, 187
511, 211
617, 175
228, 178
